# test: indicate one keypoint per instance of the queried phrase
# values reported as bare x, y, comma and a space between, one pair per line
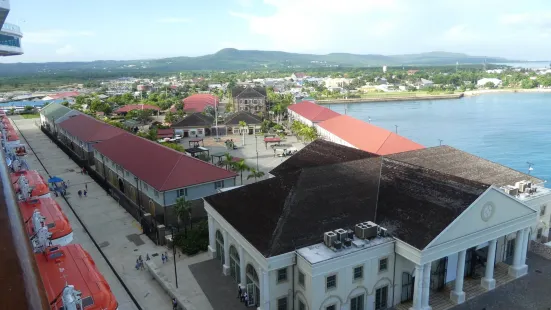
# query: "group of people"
139, 262
83, 192
164, 257
243, 296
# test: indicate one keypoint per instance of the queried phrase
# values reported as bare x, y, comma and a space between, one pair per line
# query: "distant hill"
233, 59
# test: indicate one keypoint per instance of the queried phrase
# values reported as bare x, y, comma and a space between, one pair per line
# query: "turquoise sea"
509, 128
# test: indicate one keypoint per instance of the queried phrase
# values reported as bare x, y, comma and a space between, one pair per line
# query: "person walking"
246, 298
85, 192
166, 257
163, 257
147, 257
239, 292
79, 193
86, 186
174, 304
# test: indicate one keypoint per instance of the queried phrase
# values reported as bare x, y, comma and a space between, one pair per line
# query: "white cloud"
245, 3
173, 20
316, 24
514, 19
54, 36
66, 50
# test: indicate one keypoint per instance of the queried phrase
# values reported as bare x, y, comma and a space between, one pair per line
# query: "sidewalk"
115, 231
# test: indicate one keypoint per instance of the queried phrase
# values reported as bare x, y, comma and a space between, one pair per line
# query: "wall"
295, 116
402, 265
543, 221
347, 288
197, 191
331, 137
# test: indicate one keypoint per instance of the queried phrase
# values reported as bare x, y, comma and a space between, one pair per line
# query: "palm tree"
183, 211
243, 126
240, 167
254, 174
227, 161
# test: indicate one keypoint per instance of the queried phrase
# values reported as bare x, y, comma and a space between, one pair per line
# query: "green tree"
227, 161
489, 85
240, 167
254, 174
183, 211
244, 128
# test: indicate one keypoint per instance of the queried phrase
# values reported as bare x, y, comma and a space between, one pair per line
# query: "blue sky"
83, 30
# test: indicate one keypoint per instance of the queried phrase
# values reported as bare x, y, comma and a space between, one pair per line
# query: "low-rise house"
385, 233
309, 113
484, 81
80, 132
194, 125
232, 123
50, 113
352, 132
153, 176
65, 96
249, 99
336, 82
423, 83
165, 133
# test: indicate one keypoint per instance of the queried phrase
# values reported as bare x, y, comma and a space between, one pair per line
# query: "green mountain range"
233, 59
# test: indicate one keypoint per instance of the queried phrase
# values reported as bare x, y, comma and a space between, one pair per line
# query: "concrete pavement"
116, 232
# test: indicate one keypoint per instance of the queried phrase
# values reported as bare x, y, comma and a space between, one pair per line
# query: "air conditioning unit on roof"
341, 234
329, 237
511, 190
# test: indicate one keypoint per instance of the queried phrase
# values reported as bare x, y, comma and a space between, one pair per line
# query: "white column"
264, 289
226, 266
212, 241
418, 289
457, 295
242, 268
488, 282
518, 269
526, 240
426, 287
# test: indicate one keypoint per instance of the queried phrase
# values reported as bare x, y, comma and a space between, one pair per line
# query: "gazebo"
196, 151
274, 140
194, 143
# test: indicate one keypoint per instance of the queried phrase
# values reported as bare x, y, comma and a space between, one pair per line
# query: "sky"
82, 30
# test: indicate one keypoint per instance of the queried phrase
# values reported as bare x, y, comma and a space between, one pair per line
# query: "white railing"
11, 28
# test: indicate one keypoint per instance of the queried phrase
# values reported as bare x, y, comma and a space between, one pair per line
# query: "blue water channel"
508, 128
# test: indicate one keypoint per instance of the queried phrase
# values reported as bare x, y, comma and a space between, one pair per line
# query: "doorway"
509, 251
121, 186
438, 276
407, 287
220, 247
253, 291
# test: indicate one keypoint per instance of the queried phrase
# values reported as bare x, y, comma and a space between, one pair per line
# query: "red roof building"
352, 132
69, 94
198, 102
87, 129
310, 113
131, 107
165, 133
161, 167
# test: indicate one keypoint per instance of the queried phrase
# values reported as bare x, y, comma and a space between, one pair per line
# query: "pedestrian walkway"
115, 230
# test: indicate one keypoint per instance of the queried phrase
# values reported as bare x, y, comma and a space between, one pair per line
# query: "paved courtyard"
266, 159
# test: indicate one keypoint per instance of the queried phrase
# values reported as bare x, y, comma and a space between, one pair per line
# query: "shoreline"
470, 93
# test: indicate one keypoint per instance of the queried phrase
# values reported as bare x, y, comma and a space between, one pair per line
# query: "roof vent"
511, 190
329, 237
341, 234
366, 230
523, 186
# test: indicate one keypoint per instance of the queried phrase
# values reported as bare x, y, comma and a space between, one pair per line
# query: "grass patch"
29, 116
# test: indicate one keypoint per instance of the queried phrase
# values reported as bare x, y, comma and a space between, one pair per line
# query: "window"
301, 305
218, 184
358, 272
156, 194
282, 303
301, 278
331, 282
542, 210
182, 192
127, 174
145, 187
540, 233
357, 303
282, 275
381, 297
383, 264
332, 307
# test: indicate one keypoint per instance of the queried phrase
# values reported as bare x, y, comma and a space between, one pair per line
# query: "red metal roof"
64, 95
165, 133
132, 107
367, 137
312, 111
198, 102
88, 129
159, 166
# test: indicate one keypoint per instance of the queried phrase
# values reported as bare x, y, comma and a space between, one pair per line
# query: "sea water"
512, 129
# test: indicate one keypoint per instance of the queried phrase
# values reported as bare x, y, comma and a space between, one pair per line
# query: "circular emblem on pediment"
488, 211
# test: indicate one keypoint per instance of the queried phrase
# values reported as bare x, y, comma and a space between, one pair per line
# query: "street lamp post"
440, 140
256, 144
174, 257
396, 128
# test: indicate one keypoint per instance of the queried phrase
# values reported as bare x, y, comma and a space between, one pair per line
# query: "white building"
482, 82
425, 228
336, 82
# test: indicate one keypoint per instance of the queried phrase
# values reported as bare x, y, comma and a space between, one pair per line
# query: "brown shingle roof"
449, 160
159, 166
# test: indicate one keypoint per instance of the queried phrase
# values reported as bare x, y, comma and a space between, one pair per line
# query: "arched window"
251, 273
235, 270
233, 253
220, 246
219, 236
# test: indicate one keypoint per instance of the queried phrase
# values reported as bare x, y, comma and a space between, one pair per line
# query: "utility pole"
440, 140
174, 257
256, 143
369, 119
396, 128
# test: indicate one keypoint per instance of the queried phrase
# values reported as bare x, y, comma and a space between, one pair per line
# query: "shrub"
197, 239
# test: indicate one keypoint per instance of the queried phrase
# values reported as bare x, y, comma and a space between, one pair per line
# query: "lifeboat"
29, 183
70, 268
10, 137
46, 212
16, 149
